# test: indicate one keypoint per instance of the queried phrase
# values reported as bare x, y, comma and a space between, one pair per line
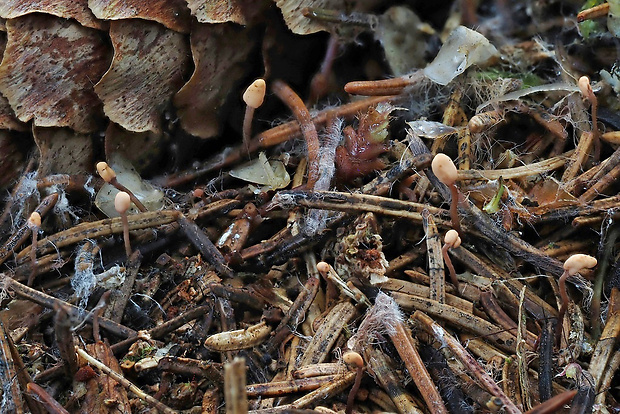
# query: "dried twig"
189, 366
64, 338
405, 346
235, 393
385, 375
124, 382
333, 200
606, 343
49, 302
461, 353
52, 406
319, 347
552, 405
106, 227
205, 246
120, 297
435, 259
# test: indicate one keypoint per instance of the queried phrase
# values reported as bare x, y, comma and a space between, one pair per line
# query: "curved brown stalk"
308, 130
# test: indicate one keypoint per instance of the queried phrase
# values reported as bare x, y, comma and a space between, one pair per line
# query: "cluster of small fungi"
443, 240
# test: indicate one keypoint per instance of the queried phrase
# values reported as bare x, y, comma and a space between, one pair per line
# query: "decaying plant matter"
174, 242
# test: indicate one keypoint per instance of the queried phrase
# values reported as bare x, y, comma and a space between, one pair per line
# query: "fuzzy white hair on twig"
316, 219
380, 320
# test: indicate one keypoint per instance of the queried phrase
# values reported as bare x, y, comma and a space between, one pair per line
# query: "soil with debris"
410, 209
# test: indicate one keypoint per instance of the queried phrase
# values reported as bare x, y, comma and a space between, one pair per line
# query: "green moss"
591, 28
529, 79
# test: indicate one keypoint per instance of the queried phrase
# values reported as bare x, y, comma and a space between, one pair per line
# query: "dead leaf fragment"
220, 52
292, 11
147, 69
67, 9
48, 70
63, 151
404, 39
173, 14
221, 11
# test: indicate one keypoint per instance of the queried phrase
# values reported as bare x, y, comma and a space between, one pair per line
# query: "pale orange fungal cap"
122, 202
445, 170
255, 93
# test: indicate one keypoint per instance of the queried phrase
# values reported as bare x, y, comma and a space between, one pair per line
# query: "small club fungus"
572, 266
122, 202
451, 241
445, 170
109, 176
253, 98
119, 170
354, 360
34, 224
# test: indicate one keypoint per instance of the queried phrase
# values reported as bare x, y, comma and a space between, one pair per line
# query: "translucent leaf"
549, 191
264, 172
463, 48
430, 129
147, 70
173, 14
48, 70
151, 197
220, 53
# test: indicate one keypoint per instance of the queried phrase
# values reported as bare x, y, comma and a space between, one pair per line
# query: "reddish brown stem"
97, 313
384, 87
554, 404
319, 85
468, 13
354, 389
134, 199
47, 400
593, 12
247, 126
595, 131
288, 130
33, 257
563, 308
448, 261
454, 212
308, 130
